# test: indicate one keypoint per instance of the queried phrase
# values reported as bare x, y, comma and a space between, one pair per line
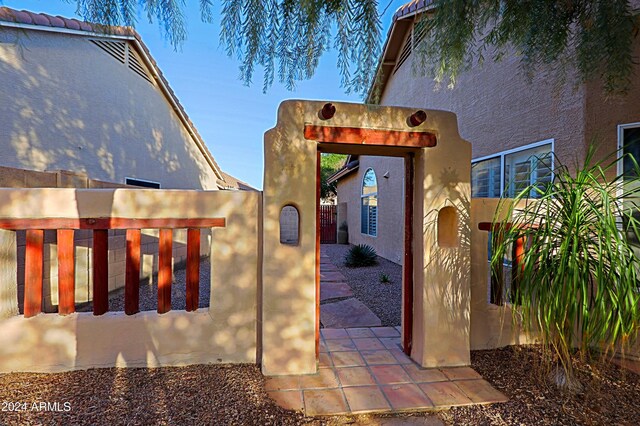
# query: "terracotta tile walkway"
363, 370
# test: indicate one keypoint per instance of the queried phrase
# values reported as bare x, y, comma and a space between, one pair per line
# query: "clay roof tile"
40, 19
85, 26
56, 21
6, 14
22, 17
72, 24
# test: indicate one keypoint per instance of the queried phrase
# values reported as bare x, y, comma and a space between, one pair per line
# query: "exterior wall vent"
416, 36
135, 65
116, 49
123, 53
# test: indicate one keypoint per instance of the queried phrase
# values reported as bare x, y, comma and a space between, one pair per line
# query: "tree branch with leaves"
286, 38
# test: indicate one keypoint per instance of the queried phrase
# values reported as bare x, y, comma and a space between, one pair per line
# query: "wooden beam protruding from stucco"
360, 136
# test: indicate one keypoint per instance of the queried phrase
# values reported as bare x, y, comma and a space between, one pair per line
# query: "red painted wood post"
164, 270
33, 273
66, 272
132, 273
193, 268
497, 281
318, 179
407, 267
517, 266
100, 271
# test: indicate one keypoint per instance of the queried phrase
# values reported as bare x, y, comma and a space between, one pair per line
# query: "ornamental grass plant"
576, 285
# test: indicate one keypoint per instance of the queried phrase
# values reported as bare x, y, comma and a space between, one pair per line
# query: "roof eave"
131, 35
400, 16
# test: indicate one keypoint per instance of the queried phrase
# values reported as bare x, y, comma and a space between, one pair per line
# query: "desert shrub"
361, 255
577, 283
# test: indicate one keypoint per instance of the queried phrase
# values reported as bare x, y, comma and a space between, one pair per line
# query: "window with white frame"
510, 172
629, 140
369, 204
629, 143
485, 178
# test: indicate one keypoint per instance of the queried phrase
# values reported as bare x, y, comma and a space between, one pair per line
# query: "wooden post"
517, 265
33, 273
318, 159
132, 273
66, 272
100, 271
164, 270
193, 268
407, 265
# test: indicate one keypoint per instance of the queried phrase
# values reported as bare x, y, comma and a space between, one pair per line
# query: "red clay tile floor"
363, 370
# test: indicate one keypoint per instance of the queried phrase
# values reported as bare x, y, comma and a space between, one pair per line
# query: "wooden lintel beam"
360, 136
110, 223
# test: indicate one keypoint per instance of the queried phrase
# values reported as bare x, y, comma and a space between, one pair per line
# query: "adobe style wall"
97, 116
225, 332
441, 274
21, 178
389, 241
492, 325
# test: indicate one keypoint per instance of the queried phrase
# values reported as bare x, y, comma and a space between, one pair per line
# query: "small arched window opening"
448, 227
289, 226
369, 204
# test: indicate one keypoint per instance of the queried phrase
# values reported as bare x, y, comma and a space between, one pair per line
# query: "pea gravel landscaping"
384, 299
235, 395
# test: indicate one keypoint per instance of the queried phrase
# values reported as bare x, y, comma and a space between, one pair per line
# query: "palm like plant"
576, 284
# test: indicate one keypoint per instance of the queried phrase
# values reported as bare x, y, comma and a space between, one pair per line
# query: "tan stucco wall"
66, 104
225, 332
20, 178
492, 326
390, 237
441, 275
498, 109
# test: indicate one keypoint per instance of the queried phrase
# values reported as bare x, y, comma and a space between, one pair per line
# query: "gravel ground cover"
235, 395
610, 396
385, 300
149, 292
196, 395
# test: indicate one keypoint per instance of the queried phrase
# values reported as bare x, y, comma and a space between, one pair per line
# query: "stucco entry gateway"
441, 266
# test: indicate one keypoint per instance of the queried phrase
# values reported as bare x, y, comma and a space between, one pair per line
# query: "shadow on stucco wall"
449, 265
68, 105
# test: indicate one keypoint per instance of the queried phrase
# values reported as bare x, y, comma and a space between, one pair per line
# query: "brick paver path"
363, 370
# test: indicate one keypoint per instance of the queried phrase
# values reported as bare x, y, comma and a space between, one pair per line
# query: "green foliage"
361, 255
329, 164
594, 36
579, 284
384, 278
284, 37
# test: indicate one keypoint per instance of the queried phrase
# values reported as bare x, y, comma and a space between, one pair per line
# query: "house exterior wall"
390, 233
498, 108
603, 114
67, 104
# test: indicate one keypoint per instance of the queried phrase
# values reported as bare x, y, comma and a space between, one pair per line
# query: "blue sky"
206, 82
